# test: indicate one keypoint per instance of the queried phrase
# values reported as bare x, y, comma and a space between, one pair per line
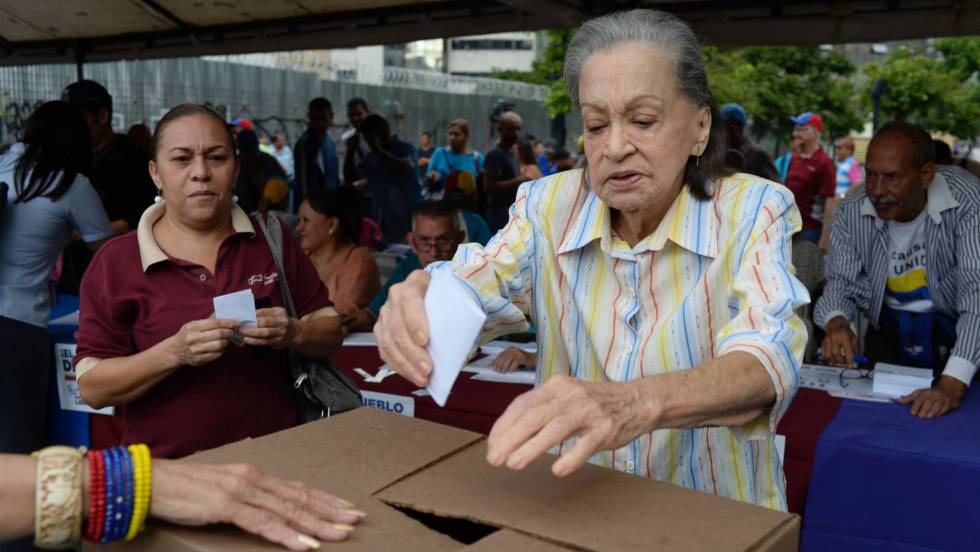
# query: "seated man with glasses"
434, 237
905, 251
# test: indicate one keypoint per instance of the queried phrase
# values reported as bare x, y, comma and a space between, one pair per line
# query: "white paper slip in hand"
455, 321
238, 306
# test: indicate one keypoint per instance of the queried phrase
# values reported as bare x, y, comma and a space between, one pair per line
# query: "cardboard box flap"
385, 528
786, 537
594, 509
364, 449
506, 539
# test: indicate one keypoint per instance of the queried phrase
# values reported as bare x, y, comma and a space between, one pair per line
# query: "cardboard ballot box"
428, 487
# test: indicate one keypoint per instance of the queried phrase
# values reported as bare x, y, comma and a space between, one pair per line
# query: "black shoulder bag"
321, 388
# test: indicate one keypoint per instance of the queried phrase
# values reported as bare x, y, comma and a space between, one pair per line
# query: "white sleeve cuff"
960, 368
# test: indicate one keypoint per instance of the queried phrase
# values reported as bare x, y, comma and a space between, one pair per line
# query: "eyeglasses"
441, 242
850, 374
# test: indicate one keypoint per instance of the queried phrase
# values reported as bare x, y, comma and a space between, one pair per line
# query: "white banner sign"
68, 393
389, 403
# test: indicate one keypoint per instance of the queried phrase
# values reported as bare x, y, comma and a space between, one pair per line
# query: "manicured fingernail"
309, 541
345, 502
343, 527
358, 513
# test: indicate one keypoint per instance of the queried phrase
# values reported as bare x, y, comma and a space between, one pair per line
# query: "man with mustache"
905, 251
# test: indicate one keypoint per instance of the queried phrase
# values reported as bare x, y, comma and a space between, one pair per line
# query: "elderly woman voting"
659, 283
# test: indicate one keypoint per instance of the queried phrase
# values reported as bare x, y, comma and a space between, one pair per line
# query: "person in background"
782, 162
755, 160
240, 124
274, 201
563, 160
525, 156
905, 252
356, 150
456, 157
255, 169
316, 162
435, 236
546, 158
849, 177
48, 196
503, 171
328, 230
945, 161
284, 154
811, 175
426, 149
148, 341
117, 172
183, 493
140, 135
392, 177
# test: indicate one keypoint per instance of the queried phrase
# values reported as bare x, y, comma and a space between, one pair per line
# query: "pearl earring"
234, 198
158, 198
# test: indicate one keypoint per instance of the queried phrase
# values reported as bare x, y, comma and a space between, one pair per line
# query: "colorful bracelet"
111, 490
125, 515
58, 497
96, 510
142, 478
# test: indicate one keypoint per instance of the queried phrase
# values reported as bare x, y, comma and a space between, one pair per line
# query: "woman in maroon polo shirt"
147, 340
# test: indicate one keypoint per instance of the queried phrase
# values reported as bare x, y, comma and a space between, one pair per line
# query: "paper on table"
360, 339
522, 377
828, 378
238, 306
455, 321
70, 319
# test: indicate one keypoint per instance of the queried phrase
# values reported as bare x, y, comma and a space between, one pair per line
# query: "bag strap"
273, 235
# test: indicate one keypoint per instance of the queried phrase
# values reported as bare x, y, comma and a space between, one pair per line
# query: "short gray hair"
660, 30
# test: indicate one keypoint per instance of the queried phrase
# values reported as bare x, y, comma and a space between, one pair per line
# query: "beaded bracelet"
140, 455
96, 512
125, 515
111, 491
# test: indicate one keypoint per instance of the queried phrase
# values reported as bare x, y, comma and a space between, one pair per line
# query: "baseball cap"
242, 122
809, 118
86, 93
734, 113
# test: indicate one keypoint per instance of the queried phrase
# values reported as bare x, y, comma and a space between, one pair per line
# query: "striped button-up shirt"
857, 263
713, 278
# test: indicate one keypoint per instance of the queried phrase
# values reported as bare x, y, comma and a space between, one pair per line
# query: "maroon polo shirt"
134, 296
809, 177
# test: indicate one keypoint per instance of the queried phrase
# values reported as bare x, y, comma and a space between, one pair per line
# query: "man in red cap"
811, 176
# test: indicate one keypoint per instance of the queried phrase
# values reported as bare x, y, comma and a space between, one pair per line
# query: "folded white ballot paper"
892, 380
455, 320
238, 306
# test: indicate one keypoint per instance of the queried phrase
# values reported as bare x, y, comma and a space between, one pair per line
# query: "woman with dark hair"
148, 340
46, 198
658, 281
529, 165
329, 229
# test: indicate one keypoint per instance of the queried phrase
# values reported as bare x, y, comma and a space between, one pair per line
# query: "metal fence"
274, 99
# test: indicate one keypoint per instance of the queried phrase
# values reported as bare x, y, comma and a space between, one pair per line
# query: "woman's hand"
402, 331
201, 341
513, 358
286, 512
274, 328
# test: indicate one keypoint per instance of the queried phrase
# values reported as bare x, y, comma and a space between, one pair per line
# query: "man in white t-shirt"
905, 251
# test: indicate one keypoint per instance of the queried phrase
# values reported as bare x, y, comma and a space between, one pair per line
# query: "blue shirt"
408, 265
33, 233
444, 161
328, 162
394, 196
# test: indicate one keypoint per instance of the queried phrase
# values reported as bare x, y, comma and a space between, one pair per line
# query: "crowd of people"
661, 269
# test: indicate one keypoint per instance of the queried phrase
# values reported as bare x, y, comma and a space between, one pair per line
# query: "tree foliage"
547, 71
774, 83
940, 95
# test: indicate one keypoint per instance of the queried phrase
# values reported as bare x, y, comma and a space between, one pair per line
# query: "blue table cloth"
884, 480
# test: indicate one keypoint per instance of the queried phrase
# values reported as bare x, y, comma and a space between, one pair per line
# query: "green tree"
774, 83
547, 71
929, 92
961, 56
